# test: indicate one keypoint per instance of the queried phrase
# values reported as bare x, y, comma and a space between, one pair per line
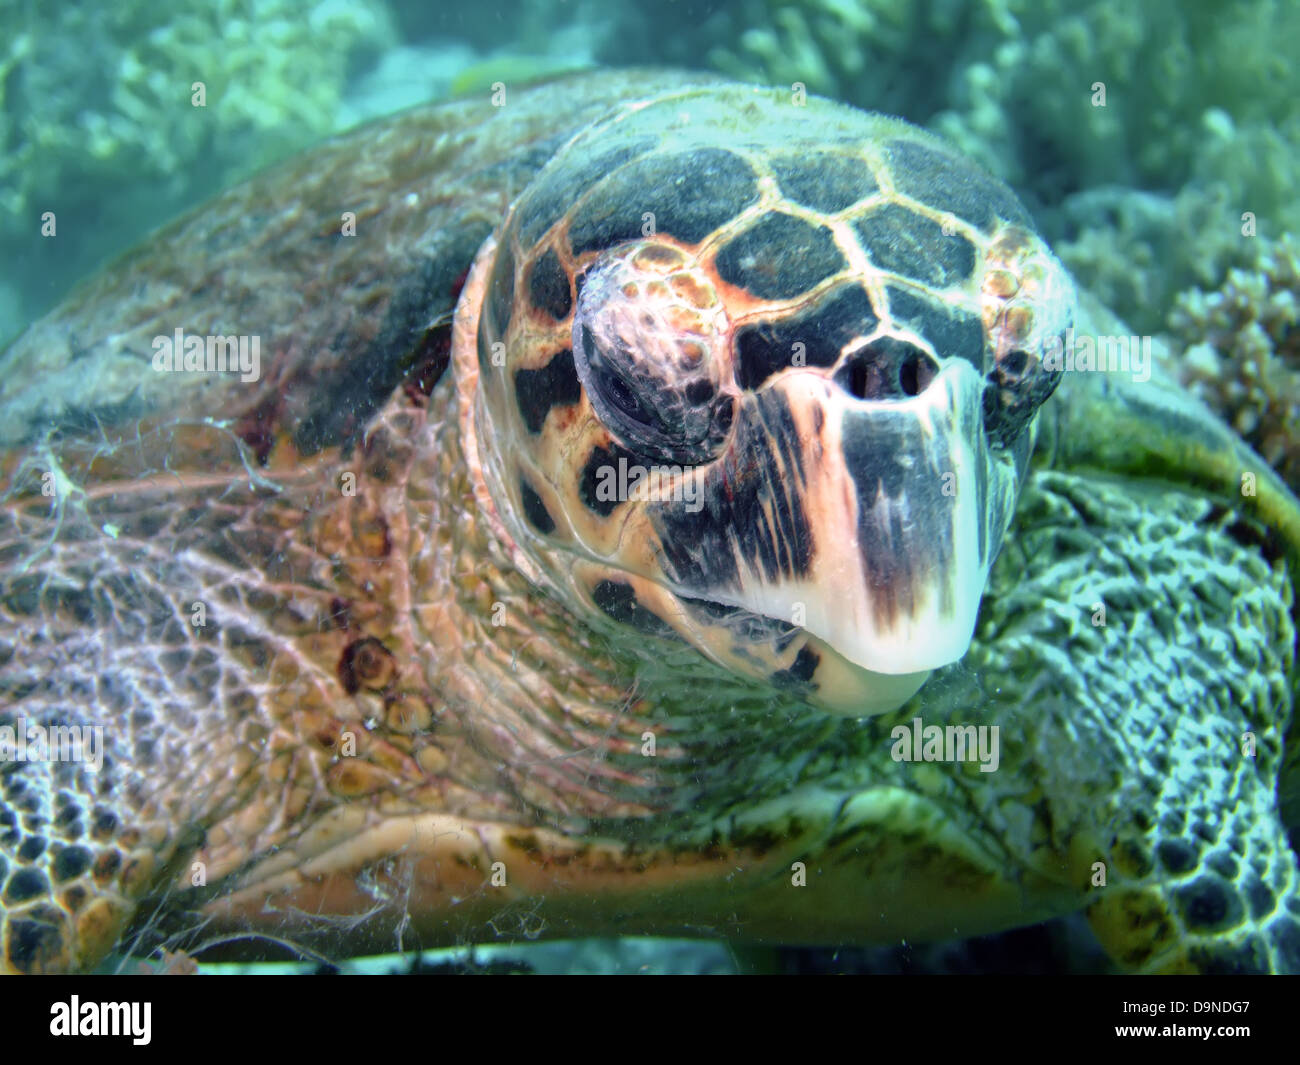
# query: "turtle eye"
1016, 387
646, 338
618, 393
1029, 299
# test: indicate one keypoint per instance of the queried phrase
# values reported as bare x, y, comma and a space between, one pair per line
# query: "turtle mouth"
825, 677
868, 523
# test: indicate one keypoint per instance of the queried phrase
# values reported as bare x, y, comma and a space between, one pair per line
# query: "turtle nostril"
866, 381
858, 380
887, 369
915, 374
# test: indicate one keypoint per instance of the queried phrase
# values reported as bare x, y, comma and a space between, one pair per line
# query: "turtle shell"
367, 664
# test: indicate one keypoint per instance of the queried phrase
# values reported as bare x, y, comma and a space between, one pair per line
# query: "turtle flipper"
106, 745
1146, 652
1222, 895
1153, 428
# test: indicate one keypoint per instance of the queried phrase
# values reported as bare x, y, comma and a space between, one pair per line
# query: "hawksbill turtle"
655, 505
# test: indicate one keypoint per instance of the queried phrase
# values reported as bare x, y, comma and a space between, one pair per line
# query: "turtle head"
770, 398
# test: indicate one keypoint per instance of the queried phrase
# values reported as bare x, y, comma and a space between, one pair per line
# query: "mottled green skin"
368, 617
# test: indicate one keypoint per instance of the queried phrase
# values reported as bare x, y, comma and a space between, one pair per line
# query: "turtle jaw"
849, 690
899, 506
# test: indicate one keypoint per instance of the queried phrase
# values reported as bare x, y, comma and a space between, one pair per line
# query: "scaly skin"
331, 703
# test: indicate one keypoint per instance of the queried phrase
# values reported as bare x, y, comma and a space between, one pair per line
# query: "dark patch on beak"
904, 519
754, 507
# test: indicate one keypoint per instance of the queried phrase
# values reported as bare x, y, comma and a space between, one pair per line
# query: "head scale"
763, 379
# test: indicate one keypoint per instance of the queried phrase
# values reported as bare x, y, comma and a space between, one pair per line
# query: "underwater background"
1146, 139
1139, 135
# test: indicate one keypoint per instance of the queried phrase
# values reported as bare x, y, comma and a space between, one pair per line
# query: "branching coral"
1136, 250
95, 108
1189, 107
1242, 351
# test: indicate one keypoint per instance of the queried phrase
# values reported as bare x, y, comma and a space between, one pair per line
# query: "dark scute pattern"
1224, 863
765, 348
71, 862
31, 944
689, 193
763, 472
800, 673
1258, 897
954, 184
32, 848
548, 287
344, 400
26, 884
500, 297
588, 480
618, 600
555, 190
1250, 958
535, 509
914, 246
780, 258
897, 558
554, 385
824, 181
1176, 855
1208, 903
952, 333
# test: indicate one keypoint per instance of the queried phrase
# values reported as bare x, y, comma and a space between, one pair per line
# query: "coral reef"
1199, 119
1136, 250
1141, 197
1242, 351
510, 41
95, 109
1012, 81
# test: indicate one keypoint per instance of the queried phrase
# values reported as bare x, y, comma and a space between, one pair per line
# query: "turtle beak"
899, 572
870, 523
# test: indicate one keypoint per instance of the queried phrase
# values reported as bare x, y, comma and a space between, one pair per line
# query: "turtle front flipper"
1144, 652
1167, 536
1140, 423
1224, 904
115, 737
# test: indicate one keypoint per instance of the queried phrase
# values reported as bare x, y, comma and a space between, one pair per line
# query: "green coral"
1016, 82
1191, 92
95, 107
1136, 250
863, 53
1241, 351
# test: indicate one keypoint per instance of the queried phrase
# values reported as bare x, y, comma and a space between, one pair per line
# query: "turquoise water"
1199, 122
1154, 146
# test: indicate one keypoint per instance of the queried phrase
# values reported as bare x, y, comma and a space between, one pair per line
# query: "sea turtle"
652, 591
